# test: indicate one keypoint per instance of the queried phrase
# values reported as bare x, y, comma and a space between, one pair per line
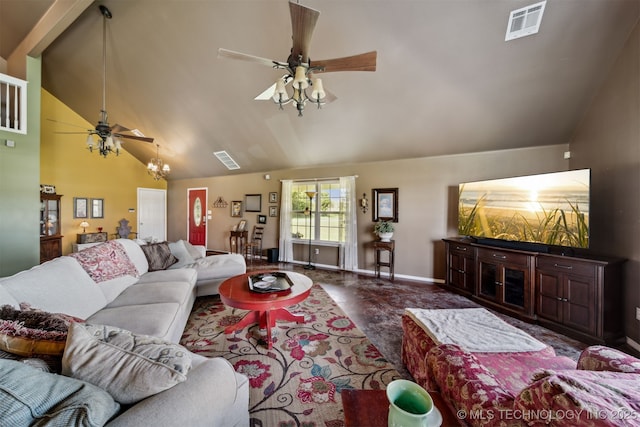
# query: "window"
322, 217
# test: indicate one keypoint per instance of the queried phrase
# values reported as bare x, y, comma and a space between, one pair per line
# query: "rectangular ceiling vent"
525, 21
226, 160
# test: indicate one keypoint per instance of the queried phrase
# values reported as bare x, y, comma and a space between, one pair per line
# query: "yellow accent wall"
66, 163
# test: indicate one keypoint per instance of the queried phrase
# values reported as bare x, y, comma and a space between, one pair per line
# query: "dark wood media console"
577, 296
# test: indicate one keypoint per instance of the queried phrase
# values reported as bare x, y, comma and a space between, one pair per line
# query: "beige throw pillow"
130, 367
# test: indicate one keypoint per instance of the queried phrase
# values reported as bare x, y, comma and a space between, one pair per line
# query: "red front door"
197, 216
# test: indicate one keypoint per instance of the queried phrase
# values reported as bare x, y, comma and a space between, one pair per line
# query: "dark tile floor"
376, 306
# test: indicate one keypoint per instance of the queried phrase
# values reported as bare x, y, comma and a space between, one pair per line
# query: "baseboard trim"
427, 280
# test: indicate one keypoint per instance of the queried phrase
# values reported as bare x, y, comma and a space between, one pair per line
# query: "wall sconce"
364, 203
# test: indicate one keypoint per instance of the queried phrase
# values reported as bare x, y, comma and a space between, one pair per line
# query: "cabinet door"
514, 286
550, 296
580, 307
461, 270
490, 281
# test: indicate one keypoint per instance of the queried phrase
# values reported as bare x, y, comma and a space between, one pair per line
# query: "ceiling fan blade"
137, 138
303, 22
225, 53
119, 128
362, 62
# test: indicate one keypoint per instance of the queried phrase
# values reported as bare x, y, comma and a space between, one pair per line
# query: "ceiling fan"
299, 68
109, 136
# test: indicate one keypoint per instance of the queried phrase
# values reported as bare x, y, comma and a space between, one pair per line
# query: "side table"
390, 247
237, 239
371, 408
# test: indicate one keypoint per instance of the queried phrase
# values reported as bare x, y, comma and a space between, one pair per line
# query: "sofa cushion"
148, 319
159, 256
57, 286
130, 367
29, 396
152, 293
106, 261
188, 275
195, 252
577, 397
7, 299
180, 251
33, 332
220, 266
135, 254
114, 287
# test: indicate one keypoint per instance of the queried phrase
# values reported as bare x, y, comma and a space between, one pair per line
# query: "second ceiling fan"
299, 68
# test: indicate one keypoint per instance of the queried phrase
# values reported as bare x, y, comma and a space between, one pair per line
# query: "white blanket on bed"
474, 329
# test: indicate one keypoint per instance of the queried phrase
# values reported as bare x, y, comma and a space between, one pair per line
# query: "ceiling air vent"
525, 21
226, 160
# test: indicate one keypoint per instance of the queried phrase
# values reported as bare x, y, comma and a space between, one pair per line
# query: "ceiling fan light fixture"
156, 167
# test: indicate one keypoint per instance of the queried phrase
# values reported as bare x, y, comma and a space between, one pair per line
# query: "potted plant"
384, 230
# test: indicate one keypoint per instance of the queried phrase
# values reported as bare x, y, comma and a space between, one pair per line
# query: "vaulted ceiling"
446, 81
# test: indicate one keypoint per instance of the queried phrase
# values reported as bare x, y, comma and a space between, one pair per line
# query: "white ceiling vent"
226, 160
525, 21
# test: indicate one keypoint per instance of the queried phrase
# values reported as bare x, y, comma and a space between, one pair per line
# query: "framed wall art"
97, 208
80, 207
273, 197
242, 225
385, 204
236, 208
262, 219
253, 202
273, 211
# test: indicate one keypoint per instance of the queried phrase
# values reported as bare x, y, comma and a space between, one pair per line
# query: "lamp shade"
318, 90
280, 93
84, 224
300, 80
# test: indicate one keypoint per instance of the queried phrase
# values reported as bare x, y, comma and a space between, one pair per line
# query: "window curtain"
286, 245
350, 257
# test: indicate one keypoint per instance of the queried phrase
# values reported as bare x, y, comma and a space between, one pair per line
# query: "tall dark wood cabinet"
578, 296
50, 231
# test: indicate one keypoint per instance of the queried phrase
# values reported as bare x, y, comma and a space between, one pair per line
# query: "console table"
237, 240
92, 237
577, 295
390, 247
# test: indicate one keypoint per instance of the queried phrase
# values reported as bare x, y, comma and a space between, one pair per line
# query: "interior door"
152, 214
197, 216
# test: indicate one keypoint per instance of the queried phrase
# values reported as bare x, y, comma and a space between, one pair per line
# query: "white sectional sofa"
115, 287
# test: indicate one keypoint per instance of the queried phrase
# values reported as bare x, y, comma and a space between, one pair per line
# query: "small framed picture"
97, 208
236, 208
273, 211
241, 225
80, 207
385, 204
273, 197
262, 219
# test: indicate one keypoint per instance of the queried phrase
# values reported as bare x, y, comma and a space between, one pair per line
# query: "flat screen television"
534, 211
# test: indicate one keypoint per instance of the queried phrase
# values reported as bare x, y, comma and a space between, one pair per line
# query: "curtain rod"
319, 179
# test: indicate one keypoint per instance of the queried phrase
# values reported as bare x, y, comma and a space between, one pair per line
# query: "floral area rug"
299, 380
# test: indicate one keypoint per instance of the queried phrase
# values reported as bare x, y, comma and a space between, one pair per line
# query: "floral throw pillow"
106, 261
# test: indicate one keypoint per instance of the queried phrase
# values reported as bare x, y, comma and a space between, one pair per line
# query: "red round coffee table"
265, 308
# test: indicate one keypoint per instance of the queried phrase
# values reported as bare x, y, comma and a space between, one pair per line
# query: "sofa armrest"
209, 397
601, 358
474, 392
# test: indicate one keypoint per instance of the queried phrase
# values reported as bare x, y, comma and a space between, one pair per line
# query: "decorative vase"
409, 404
385, 237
